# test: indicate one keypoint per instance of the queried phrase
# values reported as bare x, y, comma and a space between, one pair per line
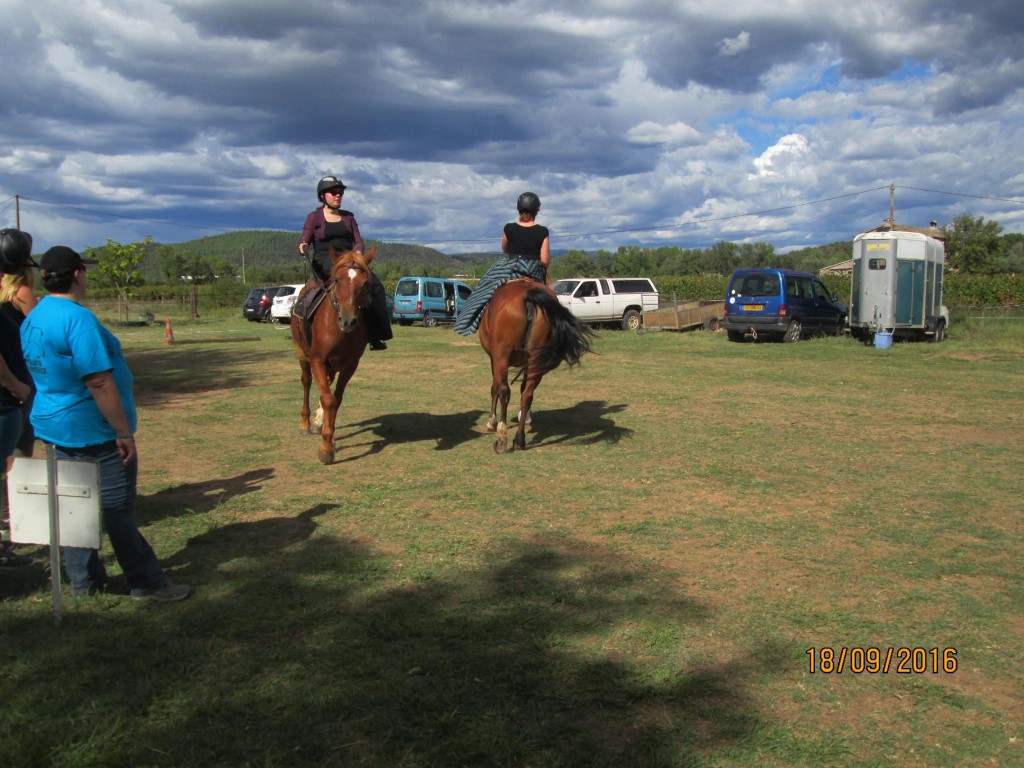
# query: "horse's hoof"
491, 426
500, 444
325, 458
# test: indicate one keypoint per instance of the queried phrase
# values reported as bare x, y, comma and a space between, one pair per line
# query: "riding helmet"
328, 182
528, 203
15, 251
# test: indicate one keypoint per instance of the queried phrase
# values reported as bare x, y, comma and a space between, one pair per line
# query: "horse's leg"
531, 379
330, 405
492, 421
500, 393
307, 380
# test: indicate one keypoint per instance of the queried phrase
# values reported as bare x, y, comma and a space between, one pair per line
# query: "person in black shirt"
331, 225
528, 249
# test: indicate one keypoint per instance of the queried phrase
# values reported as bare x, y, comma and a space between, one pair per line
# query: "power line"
964, 194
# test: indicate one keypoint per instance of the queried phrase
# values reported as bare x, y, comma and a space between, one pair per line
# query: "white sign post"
56, 502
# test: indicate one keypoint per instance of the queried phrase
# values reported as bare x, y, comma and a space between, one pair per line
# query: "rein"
336, 279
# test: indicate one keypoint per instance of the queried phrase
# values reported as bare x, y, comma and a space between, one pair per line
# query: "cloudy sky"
678, 122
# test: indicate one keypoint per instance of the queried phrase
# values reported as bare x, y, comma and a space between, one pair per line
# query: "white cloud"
731, 46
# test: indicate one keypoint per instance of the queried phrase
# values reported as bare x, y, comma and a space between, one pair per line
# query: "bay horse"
336, 340
526, 327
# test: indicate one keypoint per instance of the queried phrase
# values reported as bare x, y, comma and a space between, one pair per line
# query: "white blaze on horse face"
352, 272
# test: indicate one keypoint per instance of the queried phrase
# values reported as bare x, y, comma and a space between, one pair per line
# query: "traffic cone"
168, 333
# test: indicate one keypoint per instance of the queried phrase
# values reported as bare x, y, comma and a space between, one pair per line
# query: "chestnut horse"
525, 327
337, 340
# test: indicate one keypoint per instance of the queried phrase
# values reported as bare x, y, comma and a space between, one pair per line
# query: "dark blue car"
780, 303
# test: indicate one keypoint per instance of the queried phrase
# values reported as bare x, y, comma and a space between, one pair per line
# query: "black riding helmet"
328, 182
528, 203
15, 251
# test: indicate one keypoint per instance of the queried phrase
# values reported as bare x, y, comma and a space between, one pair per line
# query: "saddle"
305, 307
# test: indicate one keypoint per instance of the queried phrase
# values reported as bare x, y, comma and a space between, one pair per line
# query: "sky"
637, 122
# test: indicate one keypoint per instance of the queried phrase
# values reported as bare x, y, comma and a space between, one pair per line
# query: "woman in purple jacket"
331, 225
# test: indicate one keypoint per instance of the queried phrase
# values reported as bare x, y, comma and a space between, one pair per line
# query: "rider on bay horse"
331, 225
529, 253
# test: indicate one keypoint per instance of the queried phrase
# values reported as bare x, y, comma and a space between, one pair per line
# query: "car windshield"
407, 288
756, 285
565, 287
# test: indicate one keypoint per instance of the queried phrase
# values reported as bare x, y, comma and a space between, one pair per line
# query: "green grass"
639, 588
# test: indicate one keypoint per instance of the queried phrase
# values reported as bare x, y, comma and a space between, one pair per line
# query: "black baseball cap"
60, 258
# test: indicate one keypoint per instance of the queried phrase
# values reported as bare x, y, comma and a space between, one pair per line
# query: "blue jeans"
12, 420
141, 569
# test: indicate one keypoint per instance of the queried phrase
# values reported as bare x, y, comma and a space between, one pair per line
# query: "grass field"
695, 526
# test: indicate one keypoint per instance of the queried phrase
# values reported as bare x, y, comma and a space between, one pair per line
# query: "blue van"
428, 299
780, 303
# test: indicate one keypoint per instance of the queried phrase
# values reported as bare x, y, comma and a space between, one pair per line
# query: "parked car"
428, 299
257, 305
281, 307
620, 301
780, 303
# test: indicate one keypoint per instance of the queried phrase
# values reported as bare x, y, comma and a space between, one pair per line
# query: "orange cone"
168, 333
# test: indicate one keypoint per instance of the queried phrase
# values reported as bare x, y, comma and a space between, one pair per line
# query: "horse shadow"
202, 554
189, 498
446, 430
587, 422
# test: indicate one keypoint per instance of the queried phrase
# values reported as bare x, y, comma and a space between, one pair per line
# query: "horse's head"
349, 288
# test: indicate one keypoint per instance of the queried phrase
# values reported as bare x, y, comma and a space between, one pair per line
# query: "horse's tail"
569, 338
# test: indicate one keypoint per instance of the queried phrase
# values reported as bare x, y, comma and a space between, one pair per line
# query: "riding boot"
378, 324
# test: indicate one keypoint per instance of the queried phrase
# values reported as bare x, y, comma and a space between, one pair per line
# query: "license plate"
753, 307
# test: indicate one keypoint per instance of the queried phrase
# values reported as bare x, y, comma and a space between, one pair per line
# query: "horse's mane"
345, 260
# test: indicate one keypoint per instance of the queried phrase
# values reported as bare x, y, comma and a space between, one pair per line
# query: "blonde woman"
17, 299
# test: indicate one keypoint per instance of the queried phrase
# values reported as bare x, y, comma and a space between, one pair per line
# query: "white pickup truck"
598, 300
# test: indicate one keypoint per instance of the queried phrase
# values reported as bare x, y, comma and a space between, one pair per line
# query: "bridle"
353, 260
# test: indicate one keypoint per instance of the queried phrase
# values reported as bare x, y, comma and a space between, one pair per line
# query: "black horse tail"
569, 338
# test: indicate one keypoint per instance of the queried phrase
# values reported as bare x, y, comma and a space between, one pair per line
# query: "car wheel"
793, 332
429, 321
631, 321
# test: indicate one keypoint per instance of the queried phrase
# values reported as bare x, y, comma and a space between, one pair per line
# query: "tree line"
973, 247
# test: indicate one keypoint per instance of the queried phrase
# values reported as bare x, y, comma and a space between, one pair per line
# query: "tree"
972, 244
118, 267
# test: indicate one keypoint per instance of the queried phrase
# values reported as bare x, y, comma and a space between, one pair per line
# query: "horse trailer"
897, 284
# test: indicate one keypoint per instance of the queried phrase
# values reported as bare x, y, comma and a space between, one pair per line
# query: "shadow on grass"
308, 650
190, 498
587, 422
160, 373
445, 430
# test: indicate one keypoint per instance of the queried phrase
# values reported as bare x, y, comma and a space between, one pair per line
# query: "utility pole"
17, 212
243, 265
892, 206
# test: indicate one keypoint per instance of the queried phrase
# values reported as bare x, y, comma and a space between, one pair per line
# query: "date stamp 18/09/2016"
872, 660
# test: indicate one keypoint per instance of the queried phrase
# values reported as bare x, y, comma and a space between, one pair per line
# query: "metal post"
51, 492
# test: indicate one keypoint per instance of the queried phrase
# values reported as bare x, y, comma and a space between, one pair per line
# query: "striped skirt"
509, 268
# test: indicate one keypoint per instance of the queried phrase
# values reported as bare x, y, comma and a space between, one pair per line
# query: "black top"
338, 234
525, 242
10, 350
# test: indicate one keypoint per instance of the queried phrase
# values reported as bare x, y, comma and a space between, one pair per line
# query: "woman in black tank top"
331, 225
529, 253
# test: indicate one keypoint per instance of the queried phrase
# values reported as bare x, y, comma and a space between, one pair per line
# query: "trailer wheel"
793, 331
940, 332
631, 320
712, 324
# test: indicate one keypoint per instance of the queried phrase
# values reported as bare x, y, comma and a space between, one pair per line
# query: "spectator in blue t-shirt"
85, 407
